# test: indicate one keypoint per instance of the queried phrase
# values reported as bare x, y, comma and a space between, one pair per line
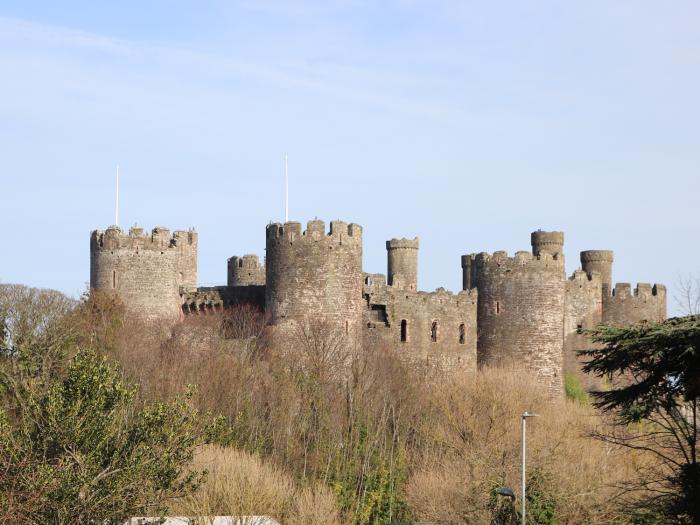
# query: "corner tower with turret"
622, 304
520, 307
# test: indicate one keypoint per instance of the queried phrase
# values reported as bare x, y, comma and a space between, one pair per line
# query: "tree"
81, 452
655, 368
687, 295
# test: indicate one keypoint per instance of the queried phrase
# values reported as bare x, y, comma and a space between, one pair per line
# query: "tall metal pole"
522, 493
286, 190
116, 203
523, 487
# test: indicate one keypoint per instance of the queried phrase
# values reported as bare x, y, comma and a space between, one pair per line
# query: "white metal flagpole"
116, 204
286, 190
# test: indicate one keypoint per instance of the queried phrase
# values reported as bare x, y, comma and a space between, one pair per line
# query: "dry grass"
474, 436
241, 484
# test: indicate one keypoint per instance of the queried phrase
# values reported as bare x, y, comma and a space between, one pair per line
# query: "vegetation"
74, 447
655, 370
96, 402
574, 390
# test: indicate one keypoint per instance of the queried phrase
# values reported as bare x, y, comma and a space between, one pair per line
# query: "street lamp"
508, 493
522, 495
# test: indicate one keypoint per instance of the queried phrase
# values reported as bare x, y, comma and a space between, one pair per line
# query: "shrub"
80, 452
574, 390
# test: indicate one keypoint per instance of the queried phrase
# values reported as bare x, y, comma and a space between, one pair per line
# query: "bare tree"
687, 294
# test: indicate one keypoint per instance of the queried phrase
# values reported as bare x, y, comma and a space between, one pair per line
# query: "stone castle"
519, 310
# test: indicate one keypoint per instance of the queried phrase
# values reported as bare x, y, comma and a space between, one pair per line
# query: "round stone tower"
520, 312
600, 261
550, 242
245, 271
147, 272
315, 277
402, 263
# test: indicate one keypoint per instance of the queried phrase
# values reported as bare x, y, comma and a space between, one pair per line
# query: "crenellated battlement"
340, 232
624, 305
521, 260
642, 290
397, 244
374, 284
582, 277
247, 261
160, 238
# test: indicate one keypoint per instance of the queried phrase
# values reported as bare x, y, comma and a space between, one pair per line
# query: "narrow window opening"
579, 328
462, 334
114, 279
498, 307
347, 327
434, 332
404, 330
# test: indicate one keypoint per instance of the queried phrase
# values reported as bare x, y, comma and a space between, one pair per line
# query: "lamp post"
522, 495
508, 493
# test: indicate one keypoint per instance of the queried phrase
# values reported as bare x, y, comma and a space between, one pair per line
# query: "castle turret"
550, 242
520, 312
147, 272
468, 275
245, 271
402, 263
600, 261
315, 276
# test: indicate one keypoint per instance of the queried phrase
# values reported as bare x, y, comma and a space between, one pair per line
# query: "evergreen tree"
655, 372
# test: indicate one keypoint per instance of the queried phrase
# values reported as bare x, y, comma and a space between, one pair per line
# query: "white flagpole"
116, 204
286, 190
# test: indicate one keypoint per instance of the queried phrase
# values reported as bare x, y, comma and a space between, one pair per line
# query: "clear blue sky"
467, 123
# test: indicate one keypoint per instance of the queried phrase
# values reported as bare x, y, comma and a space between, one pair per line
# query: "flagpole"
286, 190
116, 204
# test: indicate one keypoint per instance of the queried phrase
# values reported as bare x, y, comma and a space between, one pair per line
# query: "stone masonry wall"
625, 306
217, 298
315, 276
145, 271
583, 310
387, 308
520, 313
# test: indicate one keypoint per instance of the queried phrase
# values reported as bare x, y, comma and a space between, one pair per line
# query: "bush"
574, 390
80, 452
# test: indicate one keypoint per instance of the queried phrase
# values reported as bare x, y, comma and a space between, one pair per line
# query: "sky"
466, 123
